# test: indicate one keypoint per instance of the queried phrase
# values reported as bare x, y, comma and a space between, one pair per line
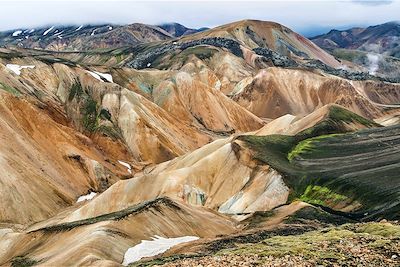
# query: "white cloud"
298, 15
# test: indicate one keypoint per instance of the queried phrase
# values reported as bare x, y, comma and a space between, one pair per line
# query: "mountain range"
89, 37
377, 48
245, 144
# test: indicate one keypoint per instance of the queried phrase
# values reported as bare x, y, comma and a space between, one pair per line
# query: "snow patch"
99, 75
17, 68
86, 197
127, 165
48, 30
16, 33
32, 30
156, 246
106, 76
80, 27
95, 75
148, 64
110, 28
93, 32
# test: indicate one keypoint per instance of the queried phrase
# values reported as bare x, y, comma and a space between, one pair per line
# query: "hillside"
243, 143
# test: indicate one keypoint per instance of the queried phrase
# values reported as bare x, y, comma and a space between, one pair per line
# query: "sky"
306, 17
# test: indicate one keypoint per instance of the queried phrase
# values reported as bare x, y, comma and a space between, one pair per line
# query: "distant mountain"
83, 37
383, 39
88, 37
178, 30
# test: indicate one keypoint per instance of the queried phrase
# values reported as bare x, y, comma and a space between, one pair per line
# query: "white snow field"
158, 245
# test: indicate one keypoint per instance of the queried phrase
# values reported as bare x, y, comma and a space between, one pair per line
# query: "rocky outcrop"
145, 59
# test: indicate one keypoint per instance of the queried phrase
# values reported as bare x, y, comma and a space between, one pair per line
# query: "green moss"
381, 229
9, 89
304, 245
341, 115
301, 147
165, 260
320, 246
105, 114
349, 164
320, 195
90, 115
22, 261
312, 213
75, 90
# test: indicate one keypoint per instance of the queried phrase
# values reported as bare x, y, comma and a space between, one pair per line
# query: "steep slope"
199, 178
37, 181
179, 92
103, 240
273, 36
274, 92
231, 135
67, 129
338, 171
338, 119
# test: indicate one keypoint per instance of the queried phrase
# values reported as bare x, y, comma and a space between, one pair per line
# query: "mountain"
376, 48
260, 35
244, 143
177, 30
382, 39
83, 37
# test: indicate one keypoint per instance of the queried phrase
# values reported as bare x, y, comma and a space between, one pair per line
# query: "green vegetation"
320, 195
351, 244
9, 89
338, 169
22, 261
341, 115
90, 115
75, 90
301, 147
316, 214
306, 146
94, 118
327, 246
335, 122
164, 260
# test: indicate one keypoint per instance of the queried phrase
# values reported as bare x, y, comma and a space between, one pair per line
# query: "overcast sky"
307, 17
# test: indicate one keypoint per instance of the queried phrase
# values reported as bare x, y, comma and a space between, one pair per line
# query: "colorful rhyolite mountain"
244, 143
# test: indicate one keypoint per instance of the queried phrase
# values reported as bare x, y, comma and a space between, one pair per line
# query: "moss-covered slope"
358, 172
